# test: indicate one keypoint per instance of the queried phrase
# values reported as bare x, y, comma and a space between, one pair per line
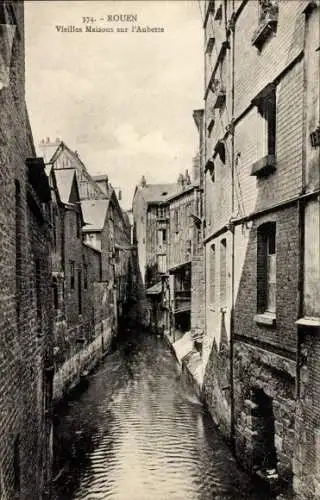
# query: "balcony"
267, 25
220, 95
265, 166
182, 301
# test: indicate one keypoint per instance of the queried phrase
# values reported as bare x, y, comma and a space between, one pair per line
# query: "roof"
100, 177
154, 289
64, 181
94, 214
182, 192
155, 193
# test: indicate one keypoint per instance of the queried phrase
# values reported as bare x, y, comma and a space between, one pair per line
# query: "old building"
150, 236
73, 321
98, 197
198, 261
58, 154
26, 359
306, 464
261, 207
184, 237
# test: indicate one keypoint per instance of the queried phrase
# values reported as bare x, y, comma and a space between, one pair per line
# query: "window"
85, 276
176, 220
266, 268
38, 292
54, 226
161, 212
78, 223
79, 293
266, 139
162, 263
16, 463
162, 236
223, 272
212, 297
267, 22
72, 274
55, 293
18, 229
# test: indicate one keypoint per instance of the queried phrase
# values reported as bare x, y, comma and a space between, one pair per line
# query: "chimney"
48, 148
187, 178
180, 181
143, 181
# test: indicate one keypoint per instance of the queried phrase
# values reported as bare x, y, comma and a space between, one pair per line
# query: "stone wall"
264, 405
306, 463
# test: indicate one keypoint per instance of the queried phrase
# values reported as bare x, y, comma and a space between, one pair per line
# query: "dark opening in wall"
55, 293
16, 463
264, 452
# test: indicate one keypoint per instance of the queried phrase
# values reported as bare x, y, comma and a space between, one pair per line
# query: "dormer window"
218, 15
267, 22
210, 45
210, 12
210, 167
210, 126
220, 149
220, 94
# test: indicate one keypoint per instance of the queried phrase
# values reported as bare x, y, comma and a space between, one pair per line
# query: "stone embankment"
188, 357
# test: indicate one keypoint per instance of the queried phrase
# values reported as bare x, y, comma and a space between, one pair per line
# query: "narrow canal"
137, 432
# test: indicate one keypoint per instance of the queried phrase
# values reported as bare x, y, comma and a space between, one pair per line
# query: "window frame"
72, 274
266, 238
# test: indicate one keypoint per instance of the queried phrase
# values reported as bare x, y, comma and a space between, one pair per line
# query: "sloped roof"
100, 177
64, 180
154, 193
94, 214
154, 289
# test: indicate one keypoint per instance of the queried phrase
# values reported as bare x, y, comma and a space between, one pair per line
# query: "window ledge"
265, 166
266, 27
268, 319
308, 321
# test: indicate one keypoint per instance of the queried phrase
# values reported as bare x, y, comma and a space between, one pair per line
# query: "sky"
124, 101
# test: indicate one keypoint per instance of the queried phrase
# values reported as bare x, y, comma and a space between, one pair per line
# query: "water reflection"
139, 433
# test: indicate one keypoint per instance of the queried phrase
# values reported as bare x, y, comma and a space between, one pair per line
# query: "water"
138, 432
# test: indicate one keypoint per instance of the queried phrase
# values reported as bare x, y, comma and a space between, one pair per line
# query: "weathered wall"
181, 228
306, 464
140, 223
25, 308
283, 334
264, 399
216, 343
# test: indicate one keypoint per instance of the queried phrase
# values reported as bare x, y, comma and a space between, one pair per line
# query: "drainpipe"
301, 215
232, 405
203, 159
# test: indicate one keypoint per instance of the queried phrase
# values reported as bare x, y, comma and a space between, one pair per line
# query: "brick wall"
283, 334
254, 194
25, 307
277, 53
